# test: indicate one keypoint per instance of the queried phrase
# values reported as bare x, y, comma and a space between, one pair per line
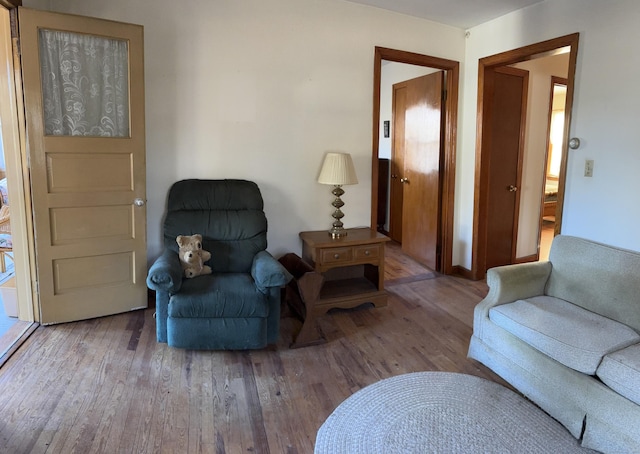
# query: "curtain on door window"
85, 85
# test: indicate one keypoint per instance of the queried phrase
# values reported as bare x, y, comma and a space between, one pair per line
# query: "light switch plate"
588, 168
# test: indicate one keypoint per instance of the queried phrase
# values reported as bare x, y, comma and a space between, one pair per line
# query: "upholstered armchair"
237, 307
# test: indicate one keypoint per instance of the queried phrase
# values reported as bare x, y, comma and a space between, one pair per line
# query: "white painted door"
84, 99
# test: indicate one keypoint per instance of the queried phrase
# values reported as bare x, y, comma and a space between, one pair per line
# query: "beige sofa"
565, 333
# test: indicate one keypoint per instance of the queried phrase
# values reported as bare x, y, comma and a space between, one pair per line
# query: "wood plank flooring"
107, 386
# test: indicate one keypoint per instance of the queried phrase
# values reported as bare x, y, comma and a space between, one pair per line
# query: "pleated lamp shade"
337, 169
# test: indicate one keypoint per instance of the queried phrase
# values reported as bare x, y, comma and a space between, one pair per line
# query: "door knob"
512, 188
138, 202
404, 180
394, 176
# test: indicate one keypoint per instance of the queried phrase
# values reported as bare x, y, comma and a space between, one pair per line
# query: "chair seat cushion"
219, 295
621, 372
571, 335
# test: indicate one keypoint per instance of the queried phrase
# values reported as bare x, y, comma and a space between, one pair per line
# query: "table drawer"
371, 251
336, 255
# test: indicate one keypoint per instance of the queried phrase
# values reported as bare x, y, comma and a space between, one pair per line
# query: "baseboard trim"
527, 259
463, 272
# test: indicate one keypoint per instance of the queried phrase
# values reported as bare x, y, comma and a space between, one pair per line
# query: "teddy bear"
192, 256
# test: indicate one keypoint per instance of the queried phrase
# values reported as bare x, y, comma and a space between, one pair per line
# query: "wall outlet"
588, 168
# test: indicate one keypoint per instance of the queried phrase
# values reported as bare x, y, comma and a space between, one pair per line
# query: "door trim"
479, 248
448, 162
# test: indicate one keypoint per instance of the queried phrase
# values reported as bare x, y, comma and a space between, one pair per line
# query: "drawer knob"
367, 252
336, 256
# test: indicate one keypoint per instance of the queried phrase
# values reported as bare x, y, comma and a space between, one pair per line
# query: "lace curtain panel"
85, 84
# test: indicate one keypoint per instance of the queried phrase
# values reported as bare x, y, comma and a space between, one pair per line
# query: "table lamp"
337, 170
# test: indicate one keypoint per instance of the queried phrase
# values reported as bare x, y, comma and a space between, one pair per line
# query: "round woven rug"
441, 412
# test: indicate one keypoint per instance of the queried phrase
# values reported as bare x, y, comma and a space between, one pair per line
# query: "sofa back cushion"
229, 215
600, 278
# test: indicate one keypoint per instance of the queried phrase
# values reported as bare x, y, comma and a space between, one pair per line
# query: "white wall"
261, 90
535, 147
605, 115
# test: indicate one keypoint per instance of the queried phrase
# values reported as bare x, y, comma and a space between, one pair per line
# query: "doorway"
414, 177
446, 171
528, 219
15, 277
555, 136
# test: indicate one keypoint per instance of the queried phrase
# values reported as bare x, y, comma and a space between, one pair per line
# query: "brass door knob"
512, 188
404, 180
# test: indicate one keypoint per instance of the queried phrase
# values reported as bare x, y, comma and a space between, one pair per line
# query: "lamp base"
337, 232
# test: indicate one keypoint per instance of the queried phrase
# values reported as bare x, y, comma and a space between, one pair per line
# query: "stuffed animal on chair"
192, 256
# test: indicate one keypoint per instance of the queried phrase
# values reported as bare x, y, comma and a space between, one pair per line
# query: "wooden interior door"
421, 178
506, 92
399, 106
88, 189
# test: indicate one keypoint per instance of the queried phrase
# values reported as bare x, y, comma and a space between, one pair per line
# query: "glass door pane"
85, 84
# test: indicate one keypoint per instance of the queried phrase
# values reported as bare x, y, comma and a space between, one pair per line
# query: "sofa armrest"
166, 273
513, 282
510, 283
268, 272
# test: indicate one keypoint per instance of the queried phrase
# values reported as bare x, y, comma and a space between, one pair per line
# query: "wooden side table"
352, 270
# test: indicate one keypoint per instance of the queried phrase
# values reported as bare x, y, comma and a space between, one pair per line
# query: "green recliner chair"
237, 307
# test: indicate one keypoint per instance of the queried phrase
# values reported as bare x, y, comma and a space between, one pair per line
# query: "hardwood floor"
105, 385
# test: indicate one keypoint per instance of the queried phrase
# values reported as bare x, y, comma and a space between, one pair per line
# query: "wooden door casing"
90, 236
485, 66
449, 142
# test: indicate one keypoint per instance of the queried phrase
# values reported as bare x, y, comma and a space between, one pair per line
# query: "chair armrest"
513, 282
268, 272
166, 273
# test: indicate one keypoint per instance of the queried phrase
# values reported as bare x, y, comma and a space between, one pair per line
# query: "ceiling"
458, 13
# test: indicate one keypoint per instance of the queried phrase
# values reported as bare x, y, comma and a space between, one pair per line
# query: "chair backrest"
229, 215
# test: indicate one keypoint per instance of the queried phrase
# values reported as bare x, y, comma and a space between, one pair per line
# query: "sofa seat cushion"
620, 371
219, 295
571, 335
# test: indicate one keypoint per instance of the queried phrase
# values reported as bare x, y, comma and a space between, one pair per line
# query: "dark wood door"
506, 91
421, 179
415, 191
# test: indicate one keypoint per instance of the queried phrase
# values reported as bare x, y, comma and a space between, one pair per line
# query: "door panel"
507, 103
87, 165
89, 172
422, 188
